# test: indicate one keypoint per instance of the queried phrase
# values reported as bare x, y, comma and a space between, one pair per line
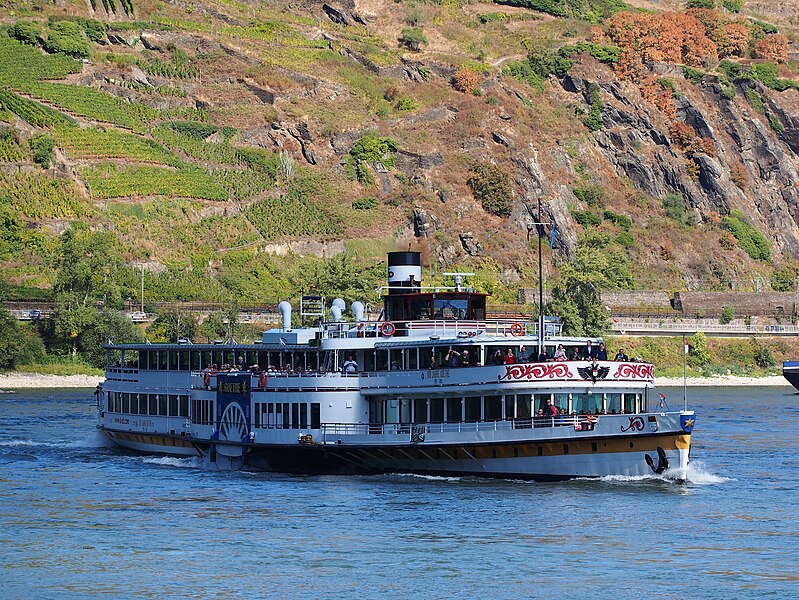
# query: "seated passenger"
350, 366
543, 357
522, 356
560, 353
621, 356
509, 358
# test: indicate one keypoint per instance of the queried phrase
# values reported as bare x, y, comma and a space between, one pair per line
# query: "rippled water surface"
79, 519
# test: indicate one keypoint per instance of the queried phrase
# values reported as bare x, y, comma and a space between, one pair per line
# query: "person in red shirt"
509, 357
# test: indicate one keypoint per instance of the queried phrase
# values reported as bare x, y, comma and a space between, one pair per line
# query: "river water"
80, 519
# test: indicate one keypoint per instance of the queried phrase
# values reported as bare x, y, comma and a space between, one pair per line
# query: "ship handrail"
346, 429
441, 327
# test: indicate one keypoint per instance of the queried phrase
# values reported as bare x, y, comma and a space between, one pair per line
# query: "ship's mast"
540, 284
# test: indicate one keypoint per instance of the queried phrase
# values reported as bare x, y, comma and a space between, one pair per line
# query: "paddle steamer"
415, 390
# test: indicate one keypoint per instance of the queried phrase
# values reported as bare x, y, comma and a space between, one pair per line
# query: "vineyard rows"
110, 181
21, 64
94, 143
32, 112
39, 196
288, 216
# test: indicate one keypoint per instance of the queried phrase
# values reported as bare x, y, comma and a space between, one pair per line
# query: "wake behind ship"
431, 386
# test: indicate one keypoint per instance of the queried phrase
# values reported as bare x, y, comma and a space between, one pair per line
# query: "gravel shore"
18, 380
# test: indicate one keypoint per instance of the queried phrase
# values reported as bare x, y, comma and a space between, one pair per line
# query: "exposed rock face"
635, 139
424, 224
470, 245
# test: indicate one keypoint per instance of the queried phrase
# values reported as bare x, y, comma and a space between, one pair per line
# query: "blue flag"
553, 237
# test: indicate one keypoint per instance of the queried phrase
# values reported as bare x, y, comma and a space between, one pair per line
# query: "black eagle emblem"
593, 372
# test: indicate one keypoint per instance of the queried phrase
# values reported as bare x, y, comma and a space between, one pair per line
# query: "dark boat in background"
790, 370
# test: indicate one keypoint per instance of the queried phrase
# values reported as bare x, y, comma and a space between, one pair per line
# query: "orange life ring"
517, 329
388, 329
207, 379
262, 379
360, 328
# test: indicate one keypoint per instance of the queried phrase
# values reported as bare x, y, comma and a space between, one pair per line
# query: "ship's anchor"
663, 462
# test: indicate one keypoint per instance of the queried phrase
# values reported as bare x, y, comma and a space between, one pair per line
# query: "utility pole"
142, 287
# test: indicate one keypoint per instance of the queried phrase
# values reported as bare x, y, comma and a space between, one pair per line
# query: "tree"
465, 79
773, 47
698, 354
173, 325
413, 38
26, 32
108, 324
86, 263
67, 37
42, 146
18, 343
576, 292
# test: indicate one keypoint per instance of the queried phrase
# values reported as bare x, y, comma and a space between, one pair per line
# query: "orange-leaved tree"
773, 47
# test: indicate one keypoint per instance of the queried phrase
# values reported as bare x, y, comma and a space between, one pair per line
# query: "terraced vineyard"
94, 143
112, 181
38, 196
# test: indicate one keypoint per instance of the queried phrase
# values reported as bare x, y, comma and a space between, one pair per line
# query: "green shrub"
775, 124
593, 195
622, 221
733, 6
625, 239
406, 103
413, 38
784, 279
763, 357
67, 37
193, 129
593, 120
369, 149
604, 53
364, 203
42, 146
755, 100
674, 206
698, 354
95, 30
491, 186
727, 314
749, 239
27, 32
700, 4
593, 11
691, 74
587, 218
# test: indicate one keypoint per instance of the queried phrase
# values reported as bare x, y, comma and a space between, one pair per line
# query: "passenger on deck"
522, 356
497, 358
552, 410
254, 368
621, 356
465, 358
453, 358
540, 420
588, 352
543, 356
601, 352
433, 364
240, 364
560, 353
509, 358
350, 366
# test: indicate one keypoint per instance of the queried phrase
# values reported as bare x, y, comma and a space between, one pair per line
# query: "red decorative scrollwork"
636, 424
537, 371
635, 371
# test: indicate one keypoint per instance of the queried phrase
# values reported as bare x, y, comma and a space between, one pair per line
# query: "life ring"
207, 379
388, 329
262, 379
517, 329
360, 329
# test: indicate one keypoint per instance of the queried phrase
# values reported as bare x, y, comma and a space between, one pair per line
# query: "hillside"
249, 151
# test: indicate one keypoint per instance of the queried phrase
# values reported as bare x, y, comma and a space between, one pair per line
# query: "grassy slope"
179, 201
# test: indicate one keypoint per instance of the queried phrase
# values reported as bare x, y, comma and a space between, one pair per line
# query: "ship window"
163, 360
509, 409
173, 405
286, 415
411, 359
162, 403
278, 415
454, 410
561, 401
450, 308
152, 357
316, 420
586, 404
195, 360
523, 406
472, 408
629, 403
492, 408
184, 360
436, 410
420, 410
173, 360
134, 404
368, 361
153, 402
613, 403
270, 415
303, 416
541, 402
184, 406
420, 309
216, 358
295, 415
